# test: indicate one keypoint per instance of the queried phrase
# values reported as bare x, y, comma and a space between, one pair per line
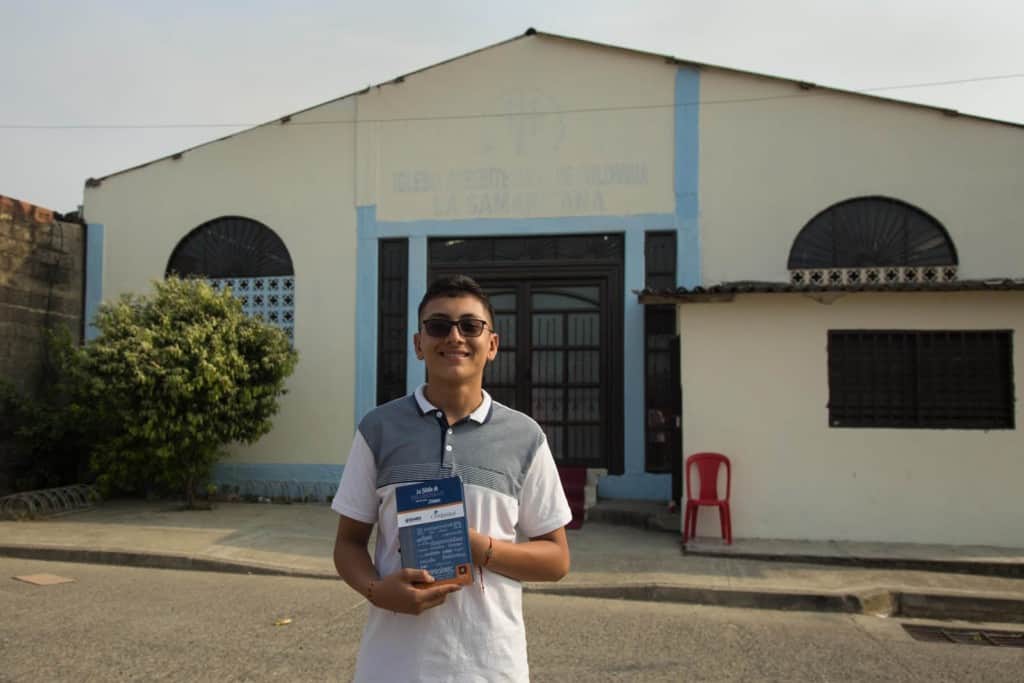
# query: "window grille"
231, 246
661, 375
921, 379
660, 260
392, 326
872, 241
270, 299
246, 257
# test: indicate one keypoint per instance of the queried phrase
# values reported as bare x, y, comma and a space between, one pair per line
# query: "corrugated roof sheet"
726, 291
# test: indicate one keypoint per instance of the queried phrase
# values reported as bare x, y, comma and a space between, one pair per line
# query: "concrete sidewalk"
608, 560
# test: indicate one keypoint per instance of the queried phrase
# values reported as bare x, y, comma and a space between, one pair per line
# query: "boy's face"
455, 358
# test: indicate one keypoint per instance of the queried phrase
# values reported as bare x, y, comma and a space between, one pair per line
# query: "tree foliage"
175, 377
48, 428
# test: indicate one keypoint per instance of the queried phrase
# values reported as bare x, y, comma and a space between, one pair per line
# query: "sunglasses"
442, 327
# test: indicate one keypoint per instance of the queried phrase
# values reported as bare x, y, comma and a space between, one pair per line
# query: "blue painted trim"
271, 479
515, 227
633, 355
636, 486
93, 277
415, 372
687, 176
366, 312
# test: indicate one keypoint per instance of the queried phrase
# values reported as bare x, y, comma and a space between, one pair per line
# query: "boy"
416, 631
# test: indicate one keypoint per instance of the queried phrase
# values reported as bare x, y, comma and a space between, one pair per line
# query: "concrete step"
643, 514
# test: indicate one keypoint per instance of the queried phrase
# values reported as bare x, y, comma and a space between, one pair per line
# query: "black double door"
555, 360
558, 303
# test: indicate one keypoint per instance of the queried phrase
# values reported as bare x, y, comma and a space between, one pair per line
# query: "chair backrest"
708, 465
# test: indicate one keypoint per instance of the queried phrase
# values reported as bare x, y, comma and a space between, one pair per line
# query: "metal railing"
48, 502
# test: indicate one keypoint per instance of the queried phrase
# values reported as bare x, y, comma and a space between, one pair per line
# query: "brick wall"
42, 263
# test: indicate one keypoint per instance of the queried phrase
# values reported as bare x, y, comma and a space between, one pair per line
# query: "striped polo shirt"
512, 493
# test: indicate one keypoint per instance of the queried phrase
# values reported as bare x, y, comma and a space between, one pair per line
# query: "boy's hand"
410, 591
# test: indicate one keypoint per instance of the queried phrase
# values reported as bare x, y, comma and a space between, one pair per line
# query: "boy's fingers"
417, 576
435, 595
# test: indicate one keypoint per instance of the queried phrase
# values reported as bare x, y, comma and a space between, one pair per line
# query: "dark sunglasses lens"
438, 328
471, 328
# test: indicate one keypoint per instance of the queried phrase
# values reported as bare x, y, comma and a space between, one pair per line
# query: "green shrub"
172, 379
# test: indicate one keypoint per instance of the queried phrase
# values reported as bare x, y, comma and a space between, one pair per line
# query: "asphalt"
624, 551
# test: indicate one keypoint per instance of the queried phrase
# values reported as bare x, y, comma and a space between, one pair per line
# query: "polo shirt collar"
480, 415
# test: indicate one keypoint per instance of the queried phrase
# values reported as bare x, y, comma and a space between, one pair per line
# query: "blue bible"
433, 533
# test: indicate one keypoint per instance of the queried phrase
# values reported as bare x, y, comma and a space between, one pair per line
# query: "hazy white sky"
137, 63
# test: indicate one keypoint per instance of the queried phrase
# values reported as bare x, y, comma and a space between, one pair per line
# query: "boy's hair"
453, 286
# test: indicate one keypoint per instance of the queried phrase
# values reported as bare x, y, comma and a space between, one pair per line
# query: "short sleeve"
543, 507
357, 492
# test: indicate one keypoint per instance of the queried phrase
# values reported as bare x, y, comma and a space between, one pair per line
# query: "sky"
91, 87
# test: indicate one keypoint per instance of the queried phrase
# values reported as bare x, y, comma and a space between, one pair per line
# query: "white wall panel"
755, 387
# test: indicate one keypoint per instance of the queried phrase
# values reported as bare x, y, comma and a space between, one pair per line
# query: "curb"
712, 597
151, 560
879, 603
883, 603
963, 607
1008, 570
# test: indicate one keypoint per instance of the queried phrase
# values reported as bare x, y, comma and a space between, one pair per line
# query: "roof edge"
727, 291
805, 85
96, 181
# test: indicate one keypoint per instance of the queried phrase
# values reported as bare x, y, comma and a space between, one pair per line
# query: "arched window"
246, 256
872, 240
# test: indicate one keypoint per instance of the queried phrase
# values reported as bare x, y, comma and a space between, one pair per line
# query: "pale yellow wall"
755, 387
772, 156
298, 180
471, 139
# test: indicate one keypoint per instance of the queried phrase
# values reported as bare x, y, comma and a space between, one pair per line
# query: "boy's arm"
542, 558
395, 592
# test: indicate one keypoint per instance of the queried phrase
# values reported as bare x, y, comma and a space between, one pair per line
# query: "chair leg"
686, 523
693, 521
723, 515
728, 524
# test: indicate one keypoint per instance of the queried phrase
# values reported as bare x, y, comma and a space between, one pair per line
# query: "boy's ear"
416, 345
492, 347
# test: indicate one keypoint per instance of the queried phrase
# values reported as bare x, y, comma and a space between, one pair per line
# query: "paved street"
119, 623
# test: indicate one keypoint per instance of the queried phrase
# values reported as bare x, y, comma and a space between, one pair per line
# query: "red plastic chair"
708, 465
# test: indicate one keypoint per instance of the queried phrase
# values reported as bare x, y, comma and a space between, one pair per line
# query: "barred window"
392, 326
246, 257
954, 379
662, 399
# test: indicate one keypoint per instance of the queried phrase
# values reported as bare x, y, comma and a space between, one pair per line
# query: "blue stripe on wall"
93, 276
366, 311
514, 227
284, 479
687, 176
633, 351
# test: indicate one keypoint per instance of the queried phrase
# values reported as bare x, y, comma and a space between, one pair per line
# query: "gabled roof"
803, 85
